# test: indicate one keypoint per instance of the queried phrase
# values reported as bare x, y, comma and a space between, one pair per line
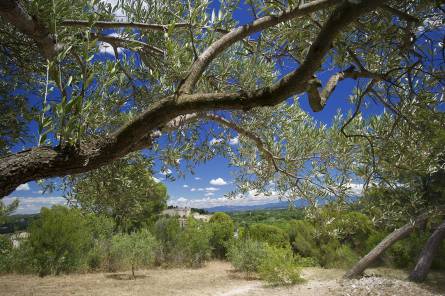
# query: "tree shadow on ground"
124, 276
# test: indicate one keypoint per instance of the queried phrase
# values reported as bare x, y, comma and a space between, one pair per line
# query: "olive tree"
176, 65
124, 190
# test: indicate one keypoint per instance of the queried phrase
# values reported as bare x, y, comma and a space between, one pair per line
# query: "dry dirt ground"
216, 279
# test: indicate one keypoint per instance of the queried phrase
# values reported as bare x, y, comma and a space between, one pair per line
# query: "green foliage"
336, 255
246, 255
222, 228
19, 260
5, 244
133, 250
302, 238
59, 240
346, 226
188, 246
267, 216
124, 190
193, 247
326, 249
279, 267
7, 210
102, 231
270, 234
5, 250
166, 231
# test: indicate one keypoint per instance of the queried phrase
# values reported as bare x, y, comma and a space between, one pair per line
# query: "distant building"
177, 212
183, 214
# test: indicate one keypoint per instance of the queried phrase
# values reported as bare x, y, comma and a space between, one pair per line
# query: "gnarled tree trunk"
423, 265
375, 253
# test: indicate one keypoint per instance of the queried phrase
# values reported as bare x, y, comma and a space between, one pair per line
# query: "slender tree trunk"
374, 254
132, 271
426, 257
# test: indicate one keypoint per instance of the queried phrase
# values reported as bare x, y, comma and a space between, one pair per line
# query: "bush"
188, 246
60, 240
302, 239
278, 267
270, 234
222, 232
5, 251
336, 255
166, 231
352, 228
246, 255
18, 260
193, 245
102, 229
133, 250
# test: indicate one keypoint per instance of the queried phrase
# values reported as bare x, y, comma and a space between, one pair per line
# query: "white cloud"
193, 189
214, 141
185, 186
355, 188
197, 178
234, 141
218, 182
212, 189
106, 48
250, 198
23, 187
200, 189
33, 204
182, 199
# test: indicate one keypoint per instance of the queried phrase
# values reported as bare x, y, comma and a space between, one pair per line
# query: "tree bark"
374, 254
15, 13
46, 162
426, 257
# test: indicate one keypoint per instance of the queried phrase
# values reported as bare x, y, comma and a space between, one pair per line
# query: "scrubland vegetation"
337, 104
65, 240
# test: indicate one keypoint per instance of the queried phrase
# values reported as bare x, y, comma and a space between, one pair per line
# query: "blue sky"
212, 180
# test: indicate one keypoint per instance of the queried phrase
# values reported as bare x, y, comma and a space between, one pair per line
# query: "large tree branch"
240, 33
15, 13
47, 162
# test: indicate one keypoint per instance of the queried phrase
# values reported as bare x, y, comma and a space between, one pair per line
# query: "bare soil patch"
216, 279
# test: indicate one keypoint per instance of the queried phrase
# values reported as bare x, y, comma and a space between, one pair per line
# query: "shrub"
18, 260
193, 245
222, 232
166, 231
270, 234
5, 251
336, 255
133, 250
102, 228
59, 240
246, 255
302, 239
306, 261
278, 267
352, 228
188, 246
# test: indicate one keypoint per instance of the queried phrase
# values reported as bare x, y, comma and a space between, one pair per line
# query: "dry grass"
216, 279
